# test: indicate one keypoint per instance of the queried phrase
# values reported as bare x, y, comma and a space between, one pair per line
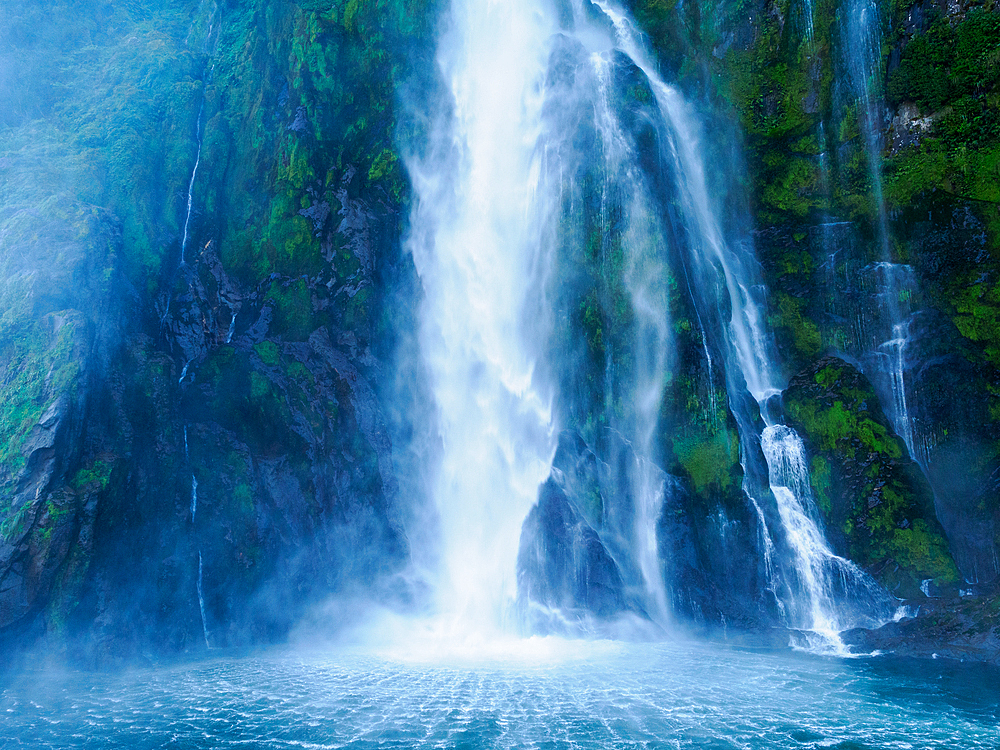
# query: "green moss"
977, 317
92, 478
924, 552
708, 461
789, 316
15, 524
293, 309
269, 353
39, 367
821, 478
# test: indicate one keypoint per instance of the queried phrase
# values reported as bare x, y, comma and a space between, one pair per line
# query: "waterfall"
490, 186
201, 603
830, 593
194, 497
645, 278
481, 235
838, 594
881, 342
190, 190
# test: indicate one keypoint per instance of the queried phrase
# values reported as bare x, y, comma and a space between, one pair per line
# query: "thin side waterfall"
830, 593
646, 280
882, 340
841, 595
201, 603
194, 496
205, 49
190, 191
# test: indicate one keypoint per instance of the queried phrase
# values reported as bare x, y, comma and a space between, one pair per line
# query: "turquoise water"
605, 696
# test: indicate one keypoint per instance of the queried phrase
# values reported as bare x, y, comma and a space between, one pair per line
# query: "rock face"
54, 333
581, 556
876, 503
965, 630
194, 453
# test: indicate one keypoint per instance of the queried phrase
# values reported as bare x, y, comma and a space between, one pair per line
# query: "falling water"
646, 280
194, 497
882, 345
480, 239
864, 61
840, 595
832, 594
482, 233
201, 602
190, 191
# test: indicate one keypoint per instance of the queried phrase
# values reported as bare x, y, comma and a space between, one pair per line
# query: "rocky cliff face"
202, 426
195, 449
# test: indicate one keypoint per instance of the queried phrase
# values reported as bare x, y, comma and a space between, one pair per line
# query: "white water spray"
480, 239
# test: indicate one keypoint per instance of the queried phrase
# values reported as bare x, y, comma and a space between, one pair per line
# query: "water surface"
603, 696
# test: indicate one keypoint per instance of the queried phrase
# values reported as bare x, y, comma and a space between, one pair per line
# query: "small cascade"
201, 602
882, 332
194, 512
199, 124
810, 22
835, 593
190, 191
194, 497
650, 496
232, 328
877, 303
863, 57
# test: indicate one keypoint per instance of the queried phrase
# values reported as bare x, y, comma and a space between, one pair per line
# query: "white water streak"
190, 191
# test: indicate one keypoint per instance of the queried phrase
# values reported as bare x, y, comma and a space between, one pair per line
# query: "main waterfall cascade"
497, 197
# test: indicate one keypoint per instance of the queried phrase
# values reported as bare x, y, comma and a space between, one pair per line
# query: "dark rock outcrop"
963, 630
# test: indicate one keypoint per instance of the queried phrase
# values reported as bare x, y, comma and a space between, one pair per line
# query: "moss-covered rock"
877, 506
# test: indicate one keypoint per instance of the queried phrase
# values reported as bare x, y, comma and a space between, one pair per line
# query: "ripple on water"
639, 695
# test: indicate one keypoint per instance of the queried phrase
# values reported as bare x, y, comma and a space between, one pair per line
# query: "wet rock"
908, 127
877, 506
963, 630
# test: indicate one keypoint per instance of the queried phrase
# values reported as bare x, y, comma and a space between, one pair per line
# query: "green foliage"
293, 310
269, 353
877, 505
839, 428
949, 62
789, 319
37, 366
977, 317
822, 483
708, 460
951, 71
92, 478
